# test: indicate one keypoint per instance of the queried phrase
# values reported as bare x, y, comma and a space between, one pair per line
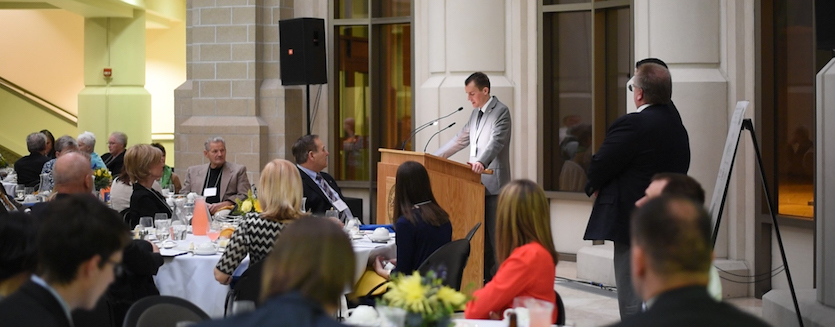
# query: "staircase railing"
39, 101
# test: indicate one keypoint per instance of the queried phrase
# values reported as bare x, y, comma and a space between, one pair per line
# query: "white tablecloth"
10, 188
191, 277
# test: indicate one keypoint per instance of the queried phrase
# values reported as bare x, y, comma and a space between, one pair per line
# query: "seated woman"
303, 278
17, 251
143, 164
422, 225
524, 250
168, 175
281, 197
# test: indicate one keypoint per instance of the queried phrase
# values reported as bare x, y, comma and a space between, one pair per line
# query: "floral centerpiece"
250, 204
102, 178
426, 300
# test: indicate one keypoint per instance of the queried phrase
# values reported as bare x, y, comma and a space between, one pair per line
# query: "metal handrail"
41, 101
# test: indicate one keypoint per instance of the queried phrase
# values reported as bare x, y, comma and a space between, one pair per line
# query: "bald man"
72, 174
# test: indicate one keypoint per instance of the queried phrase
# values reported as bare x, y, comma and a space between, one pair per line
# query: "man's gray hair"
214, 139
36, 142
64, 142
88, 138
120, 137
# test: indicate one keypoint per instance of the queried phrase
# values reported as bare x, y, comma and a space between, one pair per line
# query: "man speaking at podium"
487, 137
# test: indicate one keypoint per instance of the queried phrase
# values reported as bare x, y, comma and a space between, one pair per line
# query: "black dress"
145, 202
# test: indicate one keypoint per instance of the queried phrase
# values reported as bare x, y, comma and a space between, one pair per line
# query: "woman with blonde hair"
143, 165
281, 196
524, 250
303, 278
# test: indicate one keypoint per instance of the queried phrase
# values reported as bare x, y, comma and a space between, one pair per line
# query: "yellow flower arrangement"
426, 300
102, 178
250, 204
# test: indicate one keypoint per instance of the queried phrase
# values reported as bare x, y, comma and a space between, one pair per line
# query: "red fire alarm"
290, 51
108, 72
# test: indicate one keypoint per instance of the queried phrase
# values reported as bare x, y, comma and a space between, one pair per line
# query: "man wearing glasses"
637, 146
79, 250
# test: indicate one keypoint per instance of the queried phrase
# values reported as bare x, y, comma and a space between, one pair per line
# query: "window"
373, 102
587, 60
790, 61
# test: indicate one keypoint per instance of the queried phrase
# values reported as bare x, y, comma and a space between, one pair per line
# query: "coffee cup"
380, 234
206, 248
363, 314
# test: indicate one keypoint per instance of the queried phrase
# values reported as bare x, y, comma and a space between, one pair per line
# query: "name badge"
340, 205
210, 191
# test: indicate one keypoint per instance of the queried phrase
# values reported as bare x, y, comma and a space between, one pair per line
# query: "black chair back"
472, 232
560, 310
162, 311
448, 262
247, 288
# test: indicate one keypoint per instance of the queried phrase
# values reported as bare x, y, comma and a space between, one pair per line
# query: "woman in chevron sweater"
281, 197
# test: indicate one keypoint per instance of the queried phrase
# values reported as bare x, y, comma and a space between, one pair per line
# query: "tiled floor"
587, 305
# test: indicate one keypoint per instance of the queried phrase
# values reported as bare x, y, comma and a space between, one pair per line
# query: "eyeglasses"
630, 87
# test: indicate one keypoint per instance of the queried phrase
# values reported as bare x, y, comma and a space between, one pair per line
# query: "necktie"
478, 120
332, 196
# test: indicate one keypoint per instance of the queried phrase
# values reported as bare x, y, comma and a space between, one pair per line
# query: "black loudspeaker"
825, 24
303, 58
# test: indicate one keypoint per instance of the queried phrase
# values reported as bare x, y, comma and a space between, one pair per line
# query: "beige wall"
165, 70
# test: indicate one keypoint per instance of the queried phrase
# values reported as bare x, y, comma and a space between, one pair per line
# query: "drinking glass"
29, 190
146, 222
163, 233
214, 230
20, 191
540, 311
178, 231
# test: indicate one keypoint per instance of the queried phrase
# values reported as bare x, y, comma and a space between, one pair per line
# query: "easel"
734, 131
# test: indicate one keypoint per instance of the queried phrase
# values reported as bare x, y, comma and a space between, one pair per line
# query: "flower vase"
414, 319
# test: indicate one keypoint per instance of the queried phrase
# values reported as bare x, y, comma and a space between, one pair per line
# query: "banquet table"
10, 188
191, 277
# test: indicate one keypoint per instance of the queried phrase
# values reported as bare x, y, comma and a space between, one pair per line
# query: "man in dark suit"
671, 257
637, 146
79, 249
29, 167
320, 188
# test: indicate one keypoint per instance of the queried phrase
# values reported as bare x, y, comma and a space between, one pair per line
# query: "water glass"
29, 190
163, 233
20, 191
539, 311
178, 231
146, 222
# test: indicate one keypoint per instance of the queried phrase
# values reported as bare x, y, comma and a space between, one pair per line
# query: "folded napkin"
373, 227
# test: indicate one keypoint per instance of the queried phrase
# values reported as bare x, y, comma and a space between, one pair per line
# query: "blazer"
114, 164
289, 309
29, 169
415, 242
691, 306
492, 139
637, 146
32, 305
317, 202
233, 185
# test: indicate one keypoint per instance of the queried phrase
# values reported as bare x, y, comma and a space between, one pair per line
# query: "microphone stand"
436, 133
424, 126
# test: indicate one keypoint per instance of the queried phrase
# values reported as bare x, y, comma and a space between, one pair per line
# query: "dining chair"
246, 288
560, 310
448, 262
162, 311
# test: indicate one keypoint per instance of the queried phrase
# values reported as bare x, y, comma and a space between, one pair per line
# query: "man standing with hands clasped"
487, 136
637, 146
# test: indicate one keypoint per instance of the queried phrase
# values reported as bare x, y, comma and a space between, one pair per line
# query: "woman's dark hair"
159, 146
18, 236
51, 139
413, 191
314, 257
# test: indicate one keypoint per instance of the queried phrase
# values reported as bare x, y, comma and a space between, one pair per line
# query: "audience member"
29, 167
671, 256
220, 182
87, 144
320, 188
281, 198
50, 143
143, 164
17, 251
637, 146
79, 248
63, 145
303, 278
116, 144
524, 250
422, 225
168, 175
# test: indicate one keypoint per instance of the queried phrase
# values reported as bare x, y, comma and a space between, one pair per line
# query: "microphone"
436, 133
424, 126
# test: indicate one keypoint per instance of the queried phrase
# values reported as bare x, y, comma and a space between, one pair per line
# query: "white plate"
169, 244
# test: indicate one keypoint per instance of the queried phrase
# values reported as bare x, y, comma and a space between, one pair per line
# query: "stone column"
118, 103
233, 88
825, 158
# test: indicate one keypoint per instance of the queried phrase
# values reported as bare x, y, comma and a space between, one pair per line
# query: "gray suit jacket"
233, 174
492, 139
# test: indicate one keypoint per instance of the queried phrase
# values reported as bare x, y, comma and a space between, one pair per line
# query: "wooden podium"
456, 188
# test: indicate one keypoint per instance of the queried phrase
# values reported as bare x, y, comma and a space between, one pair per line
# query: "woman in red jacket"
524, 249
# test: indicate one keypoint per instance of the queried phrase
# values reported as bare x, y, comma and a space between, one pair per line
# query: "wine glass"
147, 224
163, 233
214, 230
